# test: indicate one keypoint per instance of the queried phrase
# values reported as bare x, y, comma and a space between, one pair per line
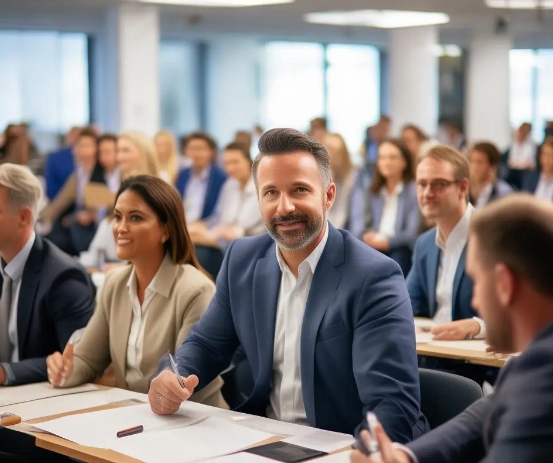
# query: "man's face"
292, 198
439, 194
200, 152
85, 149
480, 168
486, 298
10, 221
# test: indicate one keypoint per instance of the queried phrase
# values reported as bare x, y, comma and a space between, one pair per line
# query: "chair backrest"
445, 395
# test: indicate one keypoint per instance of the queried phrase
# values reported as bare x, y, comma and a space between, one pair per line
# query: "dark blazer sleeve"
415, 285
70, 304
384, 352
212, 342
457, 441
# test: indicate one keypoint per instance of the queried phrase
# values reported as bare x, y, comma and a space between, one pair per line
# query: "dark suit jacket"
513, 425
55, 299
59, 166
408, 216
422, 280
357, 339
216, 180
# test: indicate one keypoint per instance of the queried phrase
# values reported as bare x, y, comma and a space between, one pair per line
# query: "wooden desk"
468, 355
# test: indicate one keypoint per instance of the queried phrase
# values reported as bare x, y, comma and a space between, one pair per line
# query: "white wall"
232, 82
487, 90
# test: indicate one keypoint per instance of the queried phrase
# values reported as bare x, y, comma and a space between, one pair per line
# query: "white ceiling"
285, 21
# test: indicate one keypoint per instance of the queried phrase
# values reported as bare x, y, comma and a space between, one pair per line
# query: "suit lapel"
27, 291
323, 290
400, 210
433, 264
266, 286
459, 272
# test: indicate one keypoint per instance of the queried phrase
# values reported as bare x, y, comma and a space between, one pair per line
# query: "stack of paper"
324, 441
30, 392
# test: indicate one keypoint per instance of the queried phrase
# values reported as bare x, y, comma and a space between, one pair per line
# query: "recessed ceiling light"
219, 3
520, 4
386, 19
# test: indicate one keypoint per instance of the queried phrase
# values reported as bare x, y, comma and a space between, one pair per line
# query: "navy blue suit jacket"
513, 425
358, 348
56, 298
422, 280
407, 219
217, 178
59, 166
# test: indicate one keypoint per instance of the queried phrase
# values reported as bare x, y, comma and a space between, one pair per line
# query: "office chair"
445, 395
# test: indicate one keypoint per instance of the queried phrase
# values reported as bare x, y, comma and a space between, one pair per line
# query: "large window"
179, 84
531, 93
44, 80
301, 81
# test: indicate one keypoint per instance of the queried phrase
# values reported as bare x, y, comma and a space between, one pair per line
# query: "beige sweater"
184, 294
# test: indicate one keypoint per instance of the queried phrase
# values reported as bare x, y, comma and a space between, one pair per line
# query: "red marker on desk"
130, 431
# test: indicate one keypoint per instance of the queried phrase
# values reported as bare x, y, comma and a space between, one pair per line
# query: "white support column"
127, 74
414, 78
487, 84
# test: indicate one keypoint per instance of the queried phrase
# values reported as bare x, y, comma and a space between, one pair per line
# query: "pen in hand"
176, 370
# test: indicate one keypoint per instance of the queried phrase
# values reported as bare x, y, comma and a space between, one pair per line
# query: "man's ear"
505, 284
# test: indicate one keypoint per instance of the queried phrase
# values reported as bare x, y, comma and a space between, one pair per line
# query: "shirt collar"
460, 232
312, 260
161, 283
396, 192
14, 269
204, 174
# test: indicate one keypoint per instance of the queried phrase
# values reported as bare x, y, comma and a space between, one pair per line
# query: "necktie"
5, 310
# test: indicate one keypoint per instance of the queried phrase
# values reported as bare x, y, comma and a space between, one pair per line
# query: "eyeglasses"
435, 185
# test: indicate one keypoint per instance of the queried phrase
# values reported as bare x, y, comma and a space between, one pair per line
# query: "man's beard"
292, 240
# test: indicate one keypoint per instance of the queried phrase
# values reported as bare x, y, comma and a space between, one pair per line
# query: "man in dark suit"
510, 259
324, 320
46, 295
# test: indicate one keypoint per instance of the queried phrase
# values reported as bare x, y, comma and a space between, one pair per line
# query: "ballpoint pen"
130, 431
176, 370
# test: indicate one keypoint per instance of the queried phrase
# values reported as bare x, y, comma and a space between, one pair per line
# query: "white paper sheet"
424, 338
342, 457
479, 346
424, 324
241, 457
29, 392
277, 428
69, 403
324, 441
207, 439
99, 429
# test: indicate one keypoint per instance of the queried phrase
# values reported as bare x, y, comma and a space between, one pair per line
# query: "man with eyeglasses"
438, 285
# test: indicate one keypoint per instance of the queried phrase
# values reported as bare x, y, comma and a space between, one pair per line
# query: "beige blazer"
183, 296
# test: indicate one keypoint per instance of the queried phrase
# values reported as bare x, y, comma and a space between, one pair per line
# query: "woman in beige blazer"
147, 308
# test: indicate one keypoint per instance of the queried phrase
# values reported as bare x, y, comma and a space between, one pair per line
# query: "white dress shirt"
544, 190
484, 196
339, 212
14, 269
239, 207
523, 153
103, 241
195, 193
136, 336
387, 226
451, 249
286, 398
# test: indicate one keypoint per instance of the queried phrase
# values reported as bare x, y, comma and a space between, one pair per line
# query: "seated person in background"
200, 185
540, 183
147, 308
46, 295
392, 217
236, 214
135, 156
510, 258
438, 284
484, 187
416, 141
324, 321
107, 158
167, 156
73, 226
520, 159
343, 176
60, 164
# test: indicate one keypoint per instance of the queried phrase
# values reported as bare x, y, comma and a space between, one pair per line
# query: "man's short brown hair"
450, 155
490, 150
517, 230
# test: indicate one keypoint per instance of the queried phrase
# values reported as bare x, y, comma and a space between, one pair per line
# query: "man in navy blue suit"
324, 321
510, 258
46, 295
